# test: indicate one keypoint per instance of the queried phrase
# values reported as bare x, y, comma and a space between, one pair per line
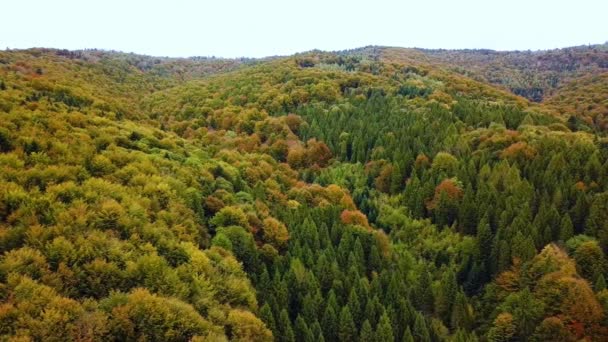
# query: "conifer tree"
566, 230
347, 330
366, 334
424, 293
384, 330
420, 330
301, 331
316, 330
355, 307
284, 328
461, 316
330, 324
407, 335
268, 318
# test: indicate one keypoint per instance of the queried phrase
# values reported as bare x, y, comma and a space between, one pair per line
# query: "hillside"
366, 195
584, 99
532, 74
551, 76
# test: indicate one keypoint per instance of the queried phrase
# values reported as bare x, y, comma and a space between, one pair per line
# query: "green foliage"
384, 331
347, 330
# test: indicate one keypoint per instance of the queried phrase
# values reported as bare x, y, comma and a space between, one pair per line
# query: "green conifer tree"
347, 331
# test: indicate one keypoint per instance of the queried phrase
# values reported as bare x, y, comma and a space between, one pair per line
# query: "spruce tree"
424, 293
329, 324
354, 306
347, 331
268, 318
284, 328
566, 230
384, 330
302, 332
460, 318
420, 330
366, 334
407, 335
316, 330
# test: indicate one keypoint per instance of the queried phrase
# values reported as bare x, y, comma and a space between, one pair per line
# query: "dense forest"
375, 194
571, 80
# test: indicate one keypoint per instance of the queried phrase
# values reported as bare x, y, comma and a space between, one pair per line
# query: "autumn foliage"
449, 188
354, 217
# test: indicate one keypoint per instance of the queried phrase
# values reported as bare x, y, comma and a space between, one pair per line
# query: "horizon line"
109, 50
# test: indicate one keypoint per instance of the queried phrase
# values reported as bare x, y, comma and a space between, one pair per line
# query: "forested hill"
374, 194
572, 80
533, 74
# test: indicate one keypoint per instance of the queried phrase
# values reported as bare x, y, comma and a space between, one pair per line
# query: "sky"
229, 28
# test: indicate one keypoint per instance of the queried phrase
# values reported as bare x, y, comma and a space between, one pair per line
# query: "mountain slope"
534, 75
563, 78
585, 98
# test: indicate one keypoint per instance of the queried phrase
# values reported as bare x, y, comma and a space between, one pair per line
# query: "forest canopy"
374, 194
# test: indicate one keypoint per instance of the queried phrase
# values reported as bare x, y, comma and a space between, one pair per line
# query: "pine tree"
359, 256
424, 293
309, 308
284, 328
396, 181
281, 291
347, 330
264, 285
484, 244
329, 324
523, 247
504, 256
374, 262
367, 334
407, 335
302, 333
354, 306
384, 330
412, 197
597, 221
316, 330
566, 230
332, 301
467, 213
462, 336
446, 295
268, 318
461, 317
579, 213
442, 210
420, 331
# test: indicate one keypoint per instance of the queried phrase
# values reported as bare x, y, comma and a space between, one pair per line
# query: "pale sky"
230, 28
